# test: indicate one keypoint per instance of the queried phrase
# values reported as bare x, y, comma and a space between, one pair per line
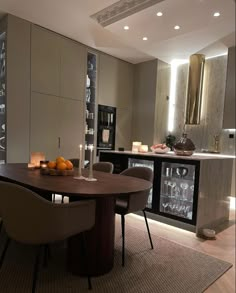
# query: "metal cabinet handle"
59, 142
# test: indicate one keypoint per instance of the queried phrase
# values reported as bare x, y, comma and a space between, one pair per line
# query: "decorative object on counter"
80, 176
43, 164
91, 178
135, 146
160, 148
184, 147
121, 149
194, 89
36, 157
143, 148
31, 166
170, 141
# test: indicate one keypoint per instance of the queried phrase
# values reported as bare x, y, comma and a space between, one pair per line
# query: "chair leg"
4, 251
145, 217
86, 260
123, 239
36, 269
0, 226
46, 255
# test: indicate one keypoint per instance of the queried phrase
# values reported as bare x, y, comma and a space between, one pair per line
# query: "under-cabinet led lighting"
145, 38
174, 65
159, 13
177, 27
216, 14
126, 27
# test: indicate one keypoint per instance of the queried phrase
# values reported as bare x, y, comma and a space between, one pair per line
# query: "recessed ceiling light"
216, 14
177, 27
159, 13
145, 38
126, 27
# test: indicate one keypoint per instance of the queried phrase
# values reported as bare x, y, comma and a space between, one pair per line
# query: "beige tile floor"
223, 247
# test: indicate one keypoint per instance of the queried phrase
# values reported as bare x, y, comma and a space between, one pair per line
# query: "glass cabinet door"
177, 190
132, 162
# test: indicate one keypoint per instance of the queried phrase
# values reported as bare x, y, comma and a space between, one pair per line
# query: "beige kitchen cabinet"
45, 61
115, 79
123, 129
73, 69
56, 126
71, 127
229, 106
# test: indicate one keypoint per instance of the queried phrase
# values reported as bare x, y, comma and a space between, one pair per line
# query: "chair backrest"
29, 218
137, 201
103, 167
75, 162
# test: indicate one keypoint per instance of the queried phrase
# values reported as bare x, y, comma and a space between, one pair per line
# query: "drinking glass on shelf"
177, 192
182, 171
172, 186
192, 191
165, 205
166, 187
184, 186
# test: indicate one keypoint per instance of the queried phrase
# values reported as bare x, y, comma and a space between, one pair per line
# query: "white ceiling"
200, 32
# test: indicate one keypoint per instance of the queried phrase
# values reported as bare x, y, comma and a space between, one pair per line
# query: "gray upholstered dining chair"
106, 167
54, 222
133, 202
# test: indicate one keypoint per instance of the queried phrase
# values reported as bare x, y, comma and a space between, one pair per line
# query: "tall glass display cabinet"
2, 97
90, 111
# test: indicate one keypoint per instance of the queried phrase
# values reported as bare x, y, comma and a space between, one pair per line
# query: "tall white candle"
91, 162
80, 158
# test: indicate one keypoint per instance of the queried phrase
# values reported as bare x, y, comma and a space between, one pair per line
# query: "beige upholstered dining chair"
133, 202
53, 222
103, 167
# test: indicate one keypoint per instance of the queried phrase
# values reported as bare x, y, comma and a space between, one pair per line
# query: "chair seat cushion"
121, 206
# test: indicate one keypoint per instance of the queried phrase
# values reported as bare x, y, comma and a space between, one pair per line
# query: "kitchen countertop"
196, 156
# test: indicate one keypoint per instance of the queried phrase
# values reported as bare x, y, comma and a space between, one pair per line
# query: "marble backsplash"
212, 108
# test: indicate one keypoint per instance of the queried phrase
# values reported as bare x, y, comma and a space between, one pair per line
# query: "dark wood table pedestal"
99, 241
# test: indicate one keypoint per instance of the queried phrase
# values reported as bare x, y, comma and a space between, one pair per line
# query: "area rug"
169, 268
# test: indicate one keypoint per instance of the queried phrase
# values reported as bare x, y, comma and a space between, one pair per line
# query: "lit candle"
91, 162
143, 148
31, 166
80, 159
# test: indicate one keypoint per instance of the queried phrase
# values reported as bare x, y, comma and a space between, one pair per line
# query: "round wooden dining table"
100, 239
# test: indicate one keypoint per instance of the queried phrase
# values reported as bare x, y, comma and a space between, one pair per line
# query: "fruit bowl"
160, 149
55, 172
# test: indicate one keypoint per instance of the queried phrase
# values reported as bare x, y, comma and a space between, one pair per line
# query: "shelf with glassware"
178, 197
90, 126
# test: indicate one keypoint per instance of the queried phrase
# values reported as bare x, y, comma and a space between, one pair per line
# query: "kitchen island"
191, 190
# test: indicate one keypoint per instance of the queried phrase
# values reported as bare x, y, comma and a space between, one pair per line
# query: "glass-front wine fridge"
134, 162
178, 191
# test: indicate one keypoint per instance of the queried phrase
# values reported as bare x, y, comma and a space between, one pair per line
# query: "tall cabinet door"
45, 61
73, 70
71, 123
44, 132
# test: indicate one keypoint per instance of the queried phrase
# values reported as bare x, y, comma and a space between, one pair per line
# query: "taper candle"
91, 162
80, 159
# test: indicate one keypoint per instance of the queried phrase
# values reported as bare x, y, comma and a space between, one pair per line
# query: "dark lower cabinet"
175, 186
